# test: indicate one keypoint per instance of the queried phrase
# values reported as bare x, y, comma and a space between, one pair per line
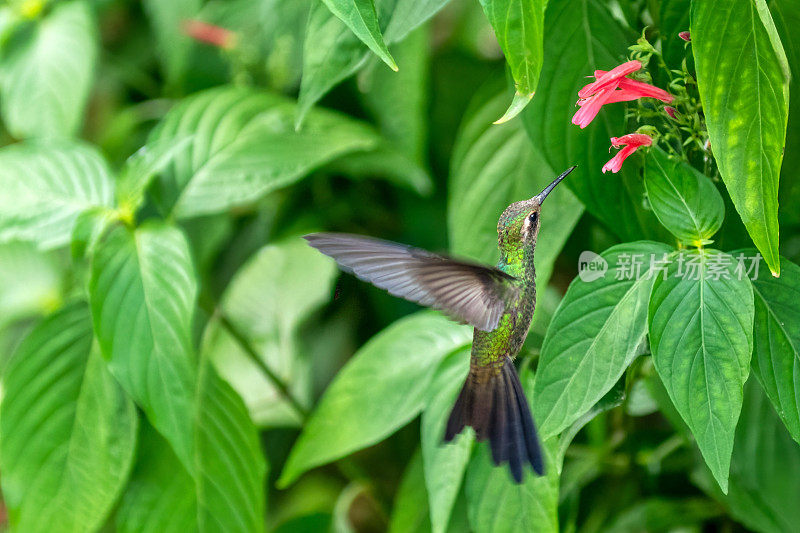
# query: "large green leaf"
267, 300
519, 27
173, 45
685, 201
332, 53
69, 431
764, 485
581, 36
492, 167
596, 332
743, 79
46, 77
44, 187
142, 292
701, 335
360, 16
776, 340
495, 503
379, 390
226, 491
445, 463
244, 146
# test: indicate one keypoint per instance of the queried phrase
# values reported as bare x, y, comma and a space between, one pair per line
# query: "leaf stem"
276, 380
215, 312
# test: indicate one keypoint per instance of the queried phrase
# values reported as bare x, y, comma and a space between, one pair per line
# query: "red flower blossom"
607, 79
671, 111
632, 90
610, 87
209, 33
629, 143
685, 35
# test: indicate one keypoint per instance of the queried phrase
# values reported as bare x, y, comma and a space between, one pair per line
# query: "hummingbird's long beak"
542, 195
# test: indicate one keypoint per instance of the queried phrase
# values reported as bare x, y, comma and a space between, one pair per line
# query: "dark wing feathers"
468, 292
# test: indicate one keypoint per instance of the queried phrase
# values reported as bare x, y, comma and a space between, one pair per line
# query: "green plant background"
174, 357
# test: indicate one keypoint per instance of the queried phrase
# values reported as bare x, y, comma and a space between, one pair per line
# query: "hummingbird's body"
499, 302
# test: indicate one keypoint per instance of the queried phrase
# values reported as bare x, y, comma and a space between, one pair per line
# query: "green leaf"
230, 469
410, 509
332, 53
142, 167
776, 340
45, 80
581, 36
701, 335
33, 282
226, 491
662, 514
445, 463
493, 166
408, 15
596, 332
44, 187
380, 389
244, 146
519, 27
142, 291
673, 19
362, 19
495, 503
764, 485
69, 431
385, 162
160, 496
743, 79
786, 14
267, 300
173, 45
685, 201
90, 226
398, 101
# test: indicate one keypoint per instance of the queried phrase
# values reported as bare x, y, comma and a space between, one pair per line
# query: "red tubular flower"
610, 87
607, 79
629, 143
589, 107
685, 35
632, 90
209, 33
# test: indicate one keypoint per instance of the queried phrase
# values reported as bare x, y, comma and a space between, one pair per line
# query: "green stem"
276, 380
279, 384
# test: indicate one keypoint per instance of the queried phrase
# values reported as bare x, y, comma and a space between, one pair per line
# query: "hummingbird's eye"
533, 217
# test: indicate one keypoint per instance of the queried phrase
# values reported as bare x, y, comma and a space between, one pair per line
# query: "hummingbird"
497, 301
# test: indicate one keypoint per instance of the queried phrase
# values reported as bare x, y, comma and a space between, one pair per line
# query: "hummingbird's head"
519, 223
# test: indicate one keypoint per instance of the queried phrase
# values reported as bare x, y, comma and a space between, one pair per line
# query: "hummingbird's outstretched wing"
468, 292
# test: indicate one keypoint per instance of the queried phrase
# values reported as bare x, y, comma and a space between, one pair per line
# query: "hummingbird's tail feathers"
494, 405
